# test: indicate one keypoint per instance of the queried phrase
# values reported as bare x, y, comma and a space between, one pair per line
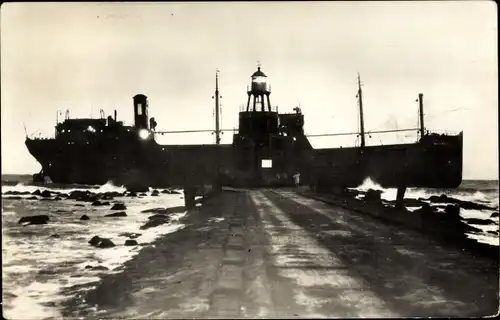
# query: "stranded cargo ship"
267, 149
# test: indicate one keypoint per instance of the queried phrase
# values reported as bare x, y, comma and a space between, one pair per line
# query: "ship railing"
243, 108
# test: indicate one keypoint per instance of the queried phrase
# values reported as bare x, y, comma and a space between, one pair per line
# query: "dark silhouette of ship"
267, 150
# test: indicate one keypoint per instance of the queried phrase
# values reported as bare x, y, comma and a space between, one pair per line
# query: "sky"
90, 56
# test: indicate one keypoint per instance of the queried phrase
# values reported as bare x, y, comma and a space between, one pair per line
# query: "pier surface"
278, 254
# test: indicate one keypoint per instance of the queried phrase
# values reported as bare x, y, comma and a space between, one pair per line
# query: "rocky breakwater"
438, 216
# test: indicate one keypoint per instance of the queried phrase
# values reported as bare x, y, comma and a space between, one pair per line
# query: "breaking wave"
107, 187
487, 196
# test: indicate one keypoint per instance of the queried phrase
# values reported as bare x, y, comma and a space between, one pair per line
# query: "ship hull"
434, 165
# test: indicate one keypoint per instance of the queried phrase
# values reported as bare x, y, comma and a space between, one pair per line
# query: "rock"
99, 242
494, 215
57, 198
79, 205
46, 194
171, 210
118, 206
117, 214
142, 195
373, 195
106, 243
130, 235
159, 216
131, 242
154, 221
84, 217
99, 203
479, 221
155, 193
79, 195
493, 232
32, 198
174, 192
38, 219
98, 268
154, 210
14, 198
166, 191
37, 192
132, 194
55, 236
95, 240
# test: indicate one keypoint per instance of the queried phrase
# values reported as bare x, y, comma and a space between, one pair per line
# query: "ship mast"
217, 124
421, 113
361, 120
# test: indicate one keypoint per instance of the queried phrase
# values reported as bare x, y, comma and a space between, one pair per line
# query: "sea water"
40, 262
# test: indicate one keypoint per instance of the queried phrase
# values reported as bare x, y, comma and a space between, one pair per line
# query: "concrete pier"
278, 254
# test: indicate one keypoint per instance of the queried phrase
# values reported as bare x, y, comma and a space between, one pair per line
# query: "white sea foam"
37, 268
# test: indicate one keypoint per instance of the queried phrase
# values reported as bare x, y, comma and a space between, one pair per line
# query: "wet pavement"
277, 254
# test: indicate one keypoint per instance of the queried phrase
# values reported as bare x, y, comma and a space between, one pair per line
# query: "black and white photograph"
249, 159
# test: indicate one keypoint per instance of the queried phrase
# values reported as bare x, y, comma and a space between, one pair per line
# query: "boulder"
130, 235
493, 232
373, 195
46, 194
130, 242
99, 203
14, 198
78, 194
132, 194
38, 219
154, 221
99, 268
32, 198
142, 195
118, 206
155, 193
57, 198
55, 236
154, 210
159, 216
494, 214
37, 192
117, 214
95, 240
84, 217
99, 242
106, 243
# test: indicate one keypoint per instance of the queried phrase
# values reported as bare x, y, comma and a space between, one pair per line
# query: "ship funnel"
141, 111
